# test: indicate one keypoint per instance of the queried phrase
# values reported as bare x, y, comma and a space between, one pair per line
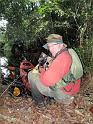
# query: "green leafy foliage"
30, 20
86, 55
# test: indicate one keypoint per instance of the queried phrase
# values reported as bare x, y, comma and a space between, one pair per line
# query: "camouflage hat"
53, 38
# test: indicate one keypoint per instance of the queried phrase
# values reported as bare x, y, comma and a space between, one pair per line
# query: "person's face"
52, 47
55, 47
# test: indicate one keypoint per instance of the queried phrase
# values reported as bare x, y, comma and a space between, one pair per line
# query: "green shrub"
86, 55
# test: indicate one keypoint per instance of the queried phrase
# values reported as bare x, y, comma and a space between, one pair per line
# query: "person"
57, 81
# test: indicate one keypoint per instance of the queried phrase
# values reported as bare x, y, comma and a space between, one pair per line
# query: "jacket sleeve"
57, 70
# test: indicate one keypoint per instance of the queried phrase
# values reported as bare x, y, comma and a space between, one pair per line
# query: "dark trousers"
38, 89
36, 95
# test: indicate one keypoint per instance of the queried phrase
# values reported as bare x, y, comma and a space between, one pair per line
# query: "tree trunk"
82, 31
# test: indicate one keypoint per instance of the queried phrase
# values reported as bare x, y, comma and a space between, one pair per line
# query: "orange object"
24, 67
16, 91
12, 75
12, 68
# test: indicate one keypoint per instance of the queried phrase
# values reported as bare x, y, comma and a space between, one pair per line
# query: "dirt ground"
22, 110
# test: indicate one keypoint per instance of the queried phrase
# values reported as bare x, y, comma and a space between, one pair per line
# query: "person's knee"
33, 76
29, 75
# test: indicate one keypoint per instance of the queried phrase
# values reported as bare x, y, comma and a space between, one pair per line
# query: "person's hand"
49, 60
